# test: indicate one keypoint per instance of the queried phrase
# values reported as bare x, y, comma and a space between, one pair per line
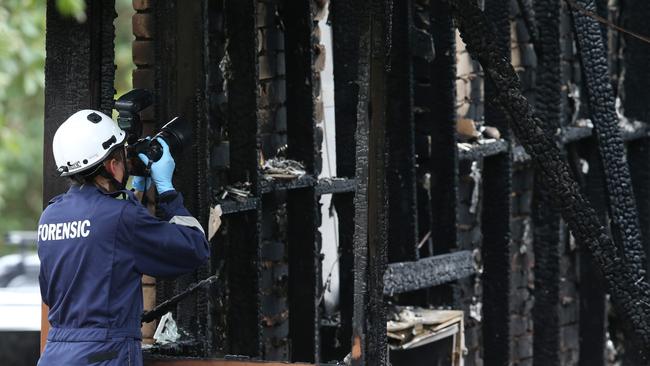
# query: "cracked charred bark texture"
546, 220
622, 206
629, 295
495, 218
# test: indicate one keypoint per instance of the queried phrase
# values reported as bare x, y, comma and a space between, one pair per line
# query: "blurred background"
22, 81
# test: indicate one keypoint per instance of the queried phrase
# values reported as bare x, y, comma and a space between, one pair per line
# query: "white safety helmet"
84, 140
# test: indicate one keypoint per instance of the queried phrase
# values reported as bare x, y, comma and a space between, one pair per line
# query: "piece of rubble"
466, 129
409, 327
491, 132
280, 168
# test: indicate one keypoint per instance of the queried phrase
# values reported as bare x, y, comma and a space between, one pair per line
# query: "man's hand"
163, 169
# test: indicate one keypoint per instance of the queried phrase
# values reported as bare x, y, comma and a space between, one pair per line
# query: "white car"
20, 309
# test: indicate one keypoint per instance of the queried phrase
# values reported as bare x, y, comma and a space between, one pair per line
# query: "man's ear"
110, 166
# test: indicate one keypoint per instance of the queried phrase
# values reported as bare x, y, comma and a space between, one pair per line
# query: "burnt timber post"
495, 225
347, 19
243, 252
304, 140
548, 241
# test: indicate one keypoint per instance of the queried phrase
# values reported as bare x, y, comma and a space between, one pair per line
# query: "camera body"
176, 133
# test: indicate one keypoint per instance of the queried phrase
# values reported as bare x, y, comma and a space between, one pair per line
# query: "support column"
495, 219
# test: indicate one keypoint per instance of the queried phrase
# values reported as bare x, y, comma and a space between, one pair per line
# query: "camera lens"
177, 134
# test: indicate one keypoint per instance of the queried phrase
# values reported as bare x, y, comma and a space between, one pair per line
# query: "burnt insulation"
630, 296
622, 206
546, 317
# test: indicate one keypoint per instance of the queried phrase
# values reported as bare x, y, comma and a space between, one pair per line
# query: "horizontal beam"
428, 272
233, 207
335, 185
322, 186
568, 135
479, 151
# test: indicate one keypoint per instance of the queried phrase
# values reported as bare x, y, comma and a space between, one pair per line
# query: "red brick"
142, 4
143, 53
144, 78
143, 25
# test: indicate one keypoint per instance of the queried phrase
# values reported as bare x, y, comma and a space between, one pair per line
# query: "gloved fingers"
144, 158
164, 145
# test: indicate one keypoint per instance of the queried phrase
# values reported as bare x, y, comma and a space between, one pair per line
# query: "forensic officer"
94, 247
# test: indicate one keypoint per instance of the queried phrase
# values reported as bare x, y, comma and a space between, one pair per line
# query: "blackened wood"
636, 58
348, 24
428, 272
444, 152
444, 155
303, 209
593, 317
377, 199
79, 74
601, 99
244, 318
495, 217
547, 238
400, 174
179, 92
627, 293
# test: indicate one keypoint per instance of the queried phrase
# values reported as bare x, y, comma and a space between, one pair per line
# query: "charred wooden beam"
400, 173
443, 163
304, 142
483, 150
79, 70
374, 308
428, 272
636, 98
347, 19
593, 312
622, 207
244, 243
179, 92
547, 235
628, 293
495, 218
335, 185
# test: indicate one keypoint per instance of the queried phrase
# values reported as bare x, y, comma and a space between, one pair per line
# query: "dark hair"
88, 176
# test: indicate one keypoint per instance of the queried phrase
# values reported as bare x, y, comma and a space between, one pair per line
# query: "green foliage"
72, 8
22, 83
22, 79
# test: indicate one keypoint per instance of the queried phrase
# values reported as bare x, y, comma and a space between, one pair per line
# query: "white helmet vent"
94, 117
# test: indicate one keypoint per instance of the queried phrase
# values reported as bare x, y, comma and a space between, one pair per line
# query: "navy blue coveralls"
94, 248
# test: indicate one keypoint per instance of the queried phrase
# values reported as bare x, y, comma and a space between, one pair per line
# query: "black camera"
176, 133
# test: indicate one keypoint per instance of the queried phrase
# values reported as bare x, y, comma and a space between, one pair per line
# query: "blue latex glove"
138, 183
161, 170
